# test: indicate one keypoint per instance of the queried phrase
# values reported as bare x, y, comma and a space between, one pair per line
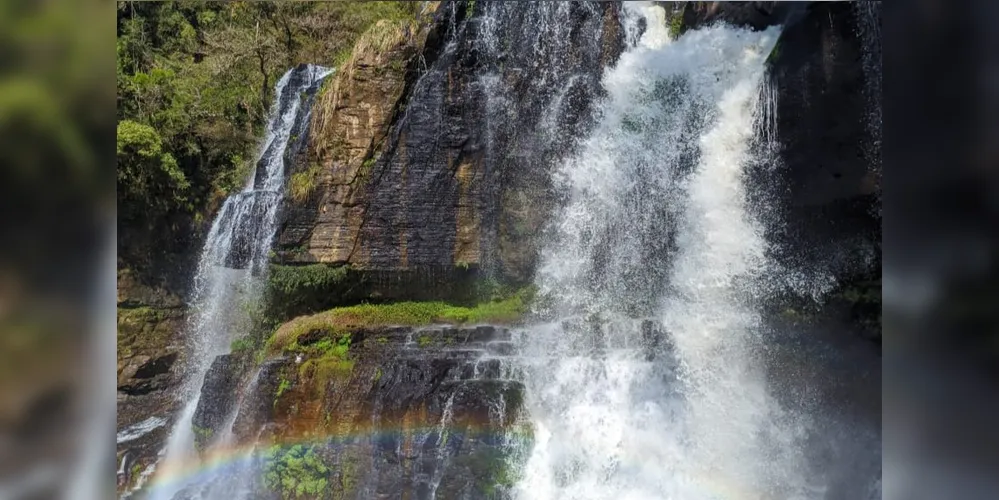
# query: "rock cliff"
428, 171
421, 166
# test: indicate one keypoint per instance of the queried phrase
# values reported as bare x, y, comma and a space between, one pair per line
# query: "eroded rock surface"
447, 147
406, 412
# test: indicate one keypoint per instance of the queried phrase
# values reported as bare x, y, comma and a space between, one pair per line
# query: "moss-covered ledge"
329, 328
297, 290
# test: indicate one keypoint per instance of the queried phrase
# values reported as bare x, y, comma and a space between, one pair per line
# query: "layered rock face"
404, 411
445, 152
429, 166
150, 348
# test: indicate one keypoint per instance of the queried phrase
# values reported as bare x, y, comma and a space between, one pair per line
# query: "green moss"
365, 171
295, 472
283, 386
378, 374
296, 279
202, 436
292, 290
320, 371
492, 469
424, 340
774, 53
676, 25
337, 322
244, 345
348, 469
136, 470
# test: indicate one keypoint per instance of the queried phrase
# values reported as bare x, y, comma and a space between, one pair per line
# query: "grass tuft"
337, 323
302, 184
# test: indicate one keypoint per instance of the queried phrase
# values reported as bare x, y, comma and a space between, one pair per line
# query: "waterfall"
869, 27
234, 259
645, 384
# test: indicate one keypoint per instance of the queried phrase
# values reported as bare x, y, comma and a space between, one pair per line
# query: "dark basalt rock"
828, 128
754, 15
824, 195
219, 394
418, 411
455, 182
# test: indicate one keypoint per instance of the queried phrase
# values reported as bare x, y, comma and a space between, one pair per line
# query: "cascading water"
234, 259
646, 384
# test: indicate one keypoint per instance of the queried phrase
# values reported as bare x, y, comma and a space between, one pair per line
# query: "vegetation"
202, 436
295, 472
337, 322
492, 469
302, 184
284, 385
395, 27
676, 24
194, 85
296, 289
298, 280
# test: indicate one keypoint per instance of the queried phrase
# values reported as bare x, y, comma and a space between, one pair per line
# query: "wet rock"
256, 410
754, 15
218, 397
386, 416
429, 181
829, 202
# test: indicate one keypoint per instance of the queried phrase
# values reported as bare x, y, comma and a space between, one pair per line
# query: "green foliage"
148, 177
293, 289
283, 386
492, 470
338, 321
424, 340
322, 370
328, 347
200, 75
55, 107
302, 184
295, 472
676, 25
287, 280
244, 345
202, 436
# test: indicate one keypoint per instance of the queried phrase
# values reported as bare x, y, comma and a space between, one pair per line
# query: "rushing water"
649, 383
235, 256
648, 375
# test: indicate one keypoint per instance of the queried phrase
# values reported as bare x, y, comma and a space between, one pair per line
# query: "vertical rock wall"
450, 146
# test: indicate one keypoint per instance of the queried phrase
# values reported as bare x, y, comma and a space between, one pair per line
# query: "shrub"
295, 472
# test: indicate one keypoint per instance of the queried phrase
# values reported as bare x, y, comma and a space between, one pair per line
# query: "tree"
149, 179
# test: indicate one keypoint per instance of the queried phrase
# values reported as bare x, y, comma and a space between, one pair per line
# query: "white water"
233, 261
657, 226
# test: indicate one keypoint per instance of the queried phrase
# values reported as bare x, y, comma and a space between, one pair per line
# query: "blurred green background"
57, 205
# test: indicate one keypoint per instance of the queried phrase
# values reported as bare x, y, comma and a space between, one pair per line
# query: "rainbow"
220, 460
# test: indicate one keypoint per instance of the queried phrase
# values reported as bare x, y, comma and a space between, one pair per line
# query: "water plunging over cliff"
647, 384
235, 257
